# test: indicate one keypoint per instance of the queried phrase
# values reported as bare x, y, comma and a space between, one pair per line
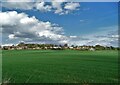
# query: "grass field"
60, 66
0, 66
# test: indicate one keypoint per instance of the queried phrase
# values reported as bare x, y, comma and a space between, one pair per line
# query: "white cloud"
72, 6
18, 0
115, 36
29, 29
73, 36
21, 27
11, 36
64, 9
42, 7
83, 20
57, 5
27, 20
10, 44
18, 4
53, 6
108, 37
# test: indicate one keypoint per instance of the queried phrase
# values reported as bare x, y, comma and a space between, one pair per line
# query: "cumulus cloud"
71, 6
57, 6
104, 38
18, 1
10, 44
11, 36
20, 27
18, 4
29, 29
61, 7
42, 7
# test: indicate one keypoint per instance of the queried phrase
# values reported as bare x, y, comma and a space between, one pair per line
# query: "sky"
74, 23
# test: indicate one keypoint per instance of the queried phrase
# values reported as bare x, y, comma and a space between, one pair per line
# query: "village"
23, 46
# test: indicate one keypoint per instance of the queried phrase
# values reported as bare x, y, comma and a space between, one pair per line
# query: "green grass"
0, 66
63, 66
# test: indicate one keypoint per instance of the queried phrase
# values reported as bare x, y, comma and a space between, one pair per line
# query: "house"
18, 48
37, 48
46, 48
71, 47
92, 49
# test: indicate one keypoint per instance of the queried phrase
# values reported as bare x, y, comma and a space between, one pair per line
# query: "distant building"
18, 48
71, 47
92, 49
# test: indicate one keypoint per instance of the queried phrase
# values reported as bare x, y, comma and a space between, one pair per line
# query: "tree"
72, 46
21, 44
99, 47
65, 45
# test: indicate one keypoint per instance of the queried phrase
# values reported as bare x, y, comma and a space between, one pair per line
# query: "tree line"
57, 47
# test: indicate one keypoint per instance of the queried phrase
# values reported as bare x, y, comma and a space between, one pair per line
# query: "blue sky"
78, 25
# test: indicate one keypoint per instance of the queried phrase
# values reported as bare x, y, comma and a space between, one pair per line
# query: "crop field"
0, 66
59, 66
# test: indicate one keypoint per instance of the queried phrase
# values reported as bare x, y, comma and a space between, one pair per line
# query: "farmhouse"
71, 47
92, 49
